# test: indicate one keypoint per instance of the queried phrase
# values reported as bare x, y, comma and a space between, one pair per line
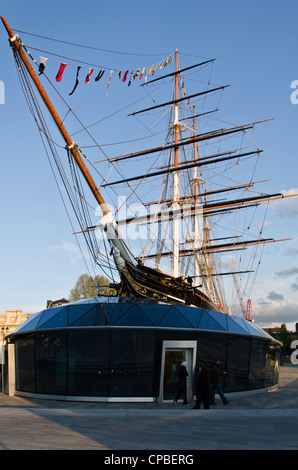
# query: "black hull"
141, 281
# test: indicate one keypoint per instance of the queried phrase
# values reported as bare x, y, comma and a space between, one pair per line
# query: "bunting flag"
87, 79
140, 72
124, 76
136, 74
60, 72
42, 65
100, 74
129, 83
77, 81
109, 82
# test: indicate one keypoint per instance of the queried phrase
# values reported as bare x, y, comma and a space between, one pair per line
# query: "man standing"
182, 384
215, 379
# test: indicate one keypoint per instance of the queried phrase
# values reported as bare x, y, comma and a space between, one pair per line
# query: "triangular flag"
100, 74
124, 76
129, 83
142, 72
87, 79
60, 72
110, 78
42, 65
137, 73
77, 81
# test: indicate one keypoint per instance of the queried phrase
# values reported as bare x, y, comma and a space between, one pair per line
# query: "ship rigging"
188, 173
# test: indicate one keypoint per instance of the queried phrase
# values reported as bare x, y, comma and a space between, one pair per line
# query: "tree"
284, 336
88, 287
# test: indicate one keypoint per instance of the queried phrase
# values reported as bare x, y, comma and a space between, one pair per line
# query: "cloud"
287, 207
69, 249
275, 297
288, 271
292, 252
294, 287
277, 312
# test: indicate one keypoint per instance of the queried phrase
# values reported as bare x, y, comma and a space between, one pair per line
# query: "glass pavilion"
113, 349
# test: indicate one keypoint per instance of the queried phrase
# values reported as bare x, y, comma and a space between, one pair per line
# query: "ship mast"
108, 223
176, 216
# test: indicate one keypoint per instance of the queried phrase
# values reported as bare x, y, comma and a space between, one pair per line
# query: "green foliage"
88, 287
284, 336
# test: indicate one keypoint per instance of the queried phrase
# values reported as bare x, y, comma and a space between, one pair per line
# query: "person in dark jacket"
216, 374
203, 389
182, 384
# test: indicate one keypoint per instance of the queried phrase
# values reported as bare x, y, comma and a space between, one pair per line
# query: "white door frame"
178, 344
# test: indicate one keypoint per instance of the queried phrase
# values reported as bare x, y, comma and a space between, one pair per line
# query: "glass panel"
237, 364
25, 363
208, 323
56, 320
193, 315
155, 312
234, 327
271, 367
134, 317
51, 356
257, 364
211, 346
29, 324
221, 318
48, 314
114, 312
175, 319
132, 363
173, 359
83, 315
89, 362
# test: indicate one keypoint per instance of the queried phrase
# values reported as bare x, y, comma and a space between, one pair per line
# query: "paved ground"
267, 421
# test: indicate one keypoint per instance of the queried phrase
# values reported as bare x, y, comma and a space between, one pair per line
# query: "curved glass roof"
116, 311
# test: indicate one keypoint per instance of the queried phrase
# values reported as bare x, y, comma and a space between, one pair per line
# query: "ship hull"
141, 281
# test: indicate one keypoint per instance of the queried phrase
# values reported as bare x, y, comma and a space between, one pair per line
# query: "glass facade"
115, 349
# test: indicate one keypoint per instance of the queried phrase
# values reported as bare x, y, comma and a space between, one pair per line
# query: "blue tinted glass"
221, 318
86, 317
76, 312
192, 314
255, 330
174, 319
241, 323
56, 321
114, 312
29, 324
208, 323
155, 312
49, 313
234, 327
134, 317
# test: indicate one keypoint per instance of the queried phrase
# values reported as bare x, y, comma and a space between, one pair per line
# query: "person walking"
182, 384
203, 389
216, 374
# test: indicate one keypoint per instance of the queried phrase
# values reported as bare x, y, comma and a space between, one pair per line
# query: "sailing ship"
178, 261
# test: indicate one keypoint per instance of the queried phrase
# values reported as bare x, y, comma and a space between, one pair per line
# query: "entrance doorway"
173, 354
